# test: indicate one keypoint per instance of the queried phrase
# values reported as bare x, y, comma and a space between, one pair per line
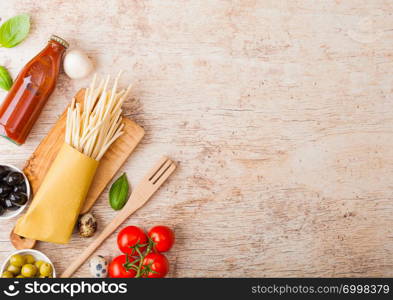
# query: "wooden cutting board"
40, 161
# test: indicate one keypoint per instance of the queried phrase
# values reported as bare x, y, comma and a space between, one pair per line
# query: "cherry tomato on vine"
155, 265
163, 237
130, 236
116, 268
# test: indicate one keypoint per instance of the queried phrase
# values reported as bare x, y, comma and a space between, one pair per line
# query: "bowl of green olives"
27, 263
14, 191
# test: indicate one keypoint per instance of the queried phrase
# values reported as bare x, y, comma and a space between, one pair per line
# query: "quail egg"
98, 266
87, 225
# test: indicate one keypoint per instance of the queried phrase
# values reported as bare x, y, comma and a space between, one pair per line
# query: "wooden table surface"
278, 112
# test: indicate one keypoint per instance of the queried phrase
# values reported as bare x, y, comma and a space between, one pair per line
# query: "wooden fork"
146, 188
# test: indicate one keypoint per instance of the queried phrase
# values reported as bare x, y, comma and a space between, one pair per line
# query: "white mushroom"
77, 64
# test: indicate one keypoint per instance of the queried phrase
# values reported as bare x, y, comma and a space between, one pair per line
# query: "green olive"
7, 274
20, 276
13, 269
39, 263
29, 259
46, 269
17, 260
29, 270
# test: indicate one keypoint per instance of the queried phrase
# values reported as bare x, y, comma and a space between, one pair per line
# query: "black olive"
4, 176
14, 178
5, 189
3, 171
2, 203
18, 199
20, 188
9, 205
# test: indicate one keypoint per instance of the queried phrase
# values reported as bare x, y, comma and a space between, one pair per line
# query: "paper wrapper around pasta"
55, 208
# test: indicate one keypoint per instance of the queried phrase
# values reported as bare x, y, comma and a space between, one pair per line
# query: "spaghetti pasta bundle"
92, 131
91, 128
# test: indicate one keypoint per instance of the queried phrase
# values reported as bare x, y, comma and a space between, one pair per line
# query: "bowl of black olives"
14, 191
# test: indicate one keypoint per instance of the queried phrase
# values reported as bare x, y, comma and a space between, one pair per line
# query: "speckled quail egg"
87, 225
98, 266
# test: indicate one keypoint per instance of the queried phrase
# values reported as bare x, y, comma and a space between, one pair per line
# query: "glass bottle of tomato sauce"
30, 91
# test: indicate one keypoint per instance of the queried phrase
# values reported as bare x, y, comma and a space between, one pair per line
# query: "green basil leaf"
5, 79
14, 30
118, 194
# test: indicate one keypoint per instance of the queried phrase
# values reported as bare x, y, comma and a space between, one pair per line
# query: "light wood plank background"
278, 112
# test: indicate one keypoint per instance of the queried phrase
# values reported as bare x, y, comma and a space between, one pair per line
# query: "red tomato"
129, 237
155, 262
163, 237
116, 268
